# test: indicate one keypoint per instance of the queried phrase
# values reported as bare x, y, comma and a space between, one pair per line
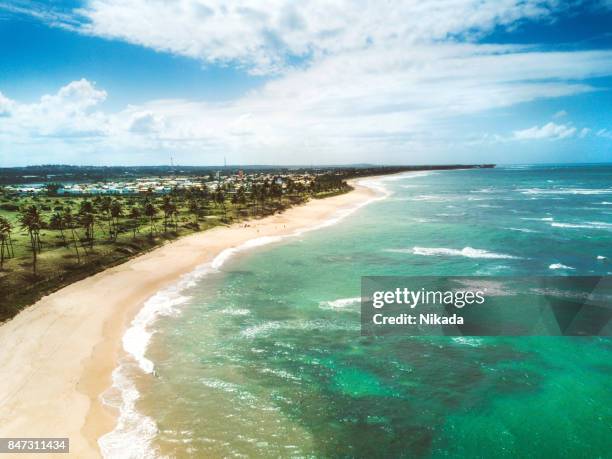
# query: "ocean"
259, 354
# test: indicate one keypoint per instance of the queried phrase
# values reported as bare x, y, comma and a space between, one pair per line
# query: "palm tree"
220, 200
135, 220
69, 222
262, 191
150, 211
105, 207
174, 213
168, 207
290, 186
57, 222
204, 192
87, 221
5, 240
276, 190
194, 209
116, 210
31, 221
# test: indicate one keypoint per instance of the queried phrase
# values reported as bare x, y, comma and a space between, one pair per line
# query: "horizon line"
304, 166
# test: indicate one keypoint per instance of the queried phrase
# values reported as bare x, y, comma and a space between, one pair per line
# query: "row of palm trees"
103, 211
106, 212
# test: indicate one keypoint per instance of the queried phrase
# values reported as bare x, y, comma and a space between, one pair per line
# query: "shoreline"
56, 380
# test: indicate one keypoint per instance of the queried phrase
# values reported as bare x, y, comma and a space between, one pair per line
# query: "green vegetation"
49, 240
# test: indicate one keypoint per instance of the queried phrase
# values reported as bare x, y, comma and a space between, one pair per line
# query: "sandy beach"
58, 355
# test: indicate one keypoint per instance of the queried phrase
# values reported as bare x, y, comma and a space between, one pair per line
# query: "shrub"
10, 207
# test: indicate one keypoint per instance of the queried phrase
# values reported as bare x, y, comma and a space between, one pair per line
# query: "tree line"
112, 215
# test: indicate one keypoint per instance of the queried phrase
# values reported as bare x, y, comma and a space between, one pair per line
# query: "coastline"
56, 380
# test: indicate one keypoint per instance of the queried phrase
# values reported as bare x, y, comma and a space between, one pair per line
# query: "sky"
137, 82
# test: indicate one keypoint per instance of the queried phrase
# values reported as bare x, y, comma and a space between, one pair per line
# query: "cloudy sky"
314, 82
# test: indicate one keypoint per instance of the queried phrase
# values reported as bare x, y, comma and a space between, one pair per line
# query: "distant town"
92, 180
166, 184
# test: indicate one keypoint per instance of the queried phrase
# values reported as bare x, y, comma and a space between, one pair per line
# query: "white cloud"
560, 114
357, 105
265, 36
67, 113
549, 131
604, 133
369, 81
6, 105
146, 122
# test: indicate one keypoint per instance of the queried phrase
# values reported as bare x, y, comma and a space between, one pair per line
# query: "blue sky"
135, 82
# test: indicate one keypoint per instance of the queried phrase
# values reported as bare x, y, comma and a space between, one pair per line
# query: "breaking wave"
467, 252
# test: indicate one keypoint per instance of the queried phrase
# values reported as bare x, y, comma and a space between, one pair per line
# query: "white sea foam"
235, 312
553, 191
267, 328
560, 266
132, 437
225, 255
339, 303
601, 257
433, 198
281, 373
468, 252
225, 386
585, 225
606, 203
136, 339
260, 329
404, 175
522, 230
467, 341
542, 219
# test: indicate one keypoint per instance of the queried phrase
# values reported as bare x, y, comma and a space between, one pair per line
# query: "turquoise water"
264, 358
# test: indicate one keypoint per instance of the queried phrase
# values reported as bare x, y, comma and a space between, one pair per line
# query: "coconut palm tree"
220, 200
57, 222
194, 208
174, 213
135, 220
204, 192
5, 240
87, 221
104, 205
276, 190
150, 211
69, 222
116, 211
168, 208
31, 221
